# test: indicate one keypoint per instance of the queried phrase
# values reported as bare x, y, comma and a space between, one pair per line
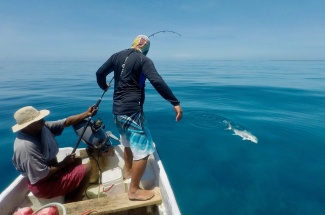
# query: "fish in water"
244, 134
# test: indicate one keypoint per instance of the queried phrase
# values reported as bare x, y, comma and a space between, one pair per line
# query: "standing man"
35, 151
131, 69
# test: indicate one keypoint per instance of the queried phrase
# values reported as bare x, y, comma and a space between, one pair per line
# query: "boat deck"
114, 204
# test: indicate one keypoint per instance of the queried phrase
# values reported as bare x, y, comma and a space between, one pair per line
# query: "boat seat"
39, 202
111, 204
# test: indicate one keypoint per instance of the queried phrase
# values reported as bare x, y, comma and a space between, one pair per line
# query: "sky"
79, 30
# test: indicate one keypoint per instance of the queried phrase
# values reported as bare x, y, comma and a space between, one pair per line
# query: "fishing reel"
94, 135
98, 124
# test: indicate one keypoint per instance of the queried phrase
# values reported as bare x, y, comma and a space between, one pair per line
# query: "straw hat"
26, 116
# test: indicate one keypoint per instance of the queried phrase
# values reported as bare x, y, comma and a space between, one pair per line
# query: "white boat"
17, 195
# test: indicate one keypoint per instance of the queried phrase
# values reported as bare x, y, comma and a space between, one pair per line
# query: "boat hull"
15, 195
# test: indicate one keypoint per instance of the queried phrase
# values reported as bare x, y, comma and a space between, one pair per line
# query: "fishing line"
164, 31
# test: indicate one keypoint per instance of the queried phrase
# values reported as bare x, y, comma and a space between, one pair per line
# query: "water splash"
210, 120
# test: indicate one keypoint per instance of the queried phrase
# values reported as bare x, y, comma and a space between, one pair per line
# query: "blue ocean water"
211, 169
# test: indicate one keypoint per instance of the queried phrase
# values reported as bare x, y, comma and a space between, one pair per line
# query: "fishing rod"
164, 31
88, 121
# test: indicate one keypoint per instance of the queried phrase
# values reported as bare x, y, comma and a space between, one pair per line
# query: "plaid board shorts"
135, 134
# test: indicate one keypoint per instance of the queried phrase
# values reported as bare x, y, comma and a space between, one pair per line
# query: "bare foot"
141, 195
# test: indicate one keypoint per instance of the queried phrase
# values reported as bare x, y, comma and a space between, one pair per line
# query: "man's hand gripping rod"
88, 121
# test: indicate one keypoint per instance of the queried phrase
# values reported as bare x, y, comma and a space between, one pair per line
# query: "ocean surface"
251, 141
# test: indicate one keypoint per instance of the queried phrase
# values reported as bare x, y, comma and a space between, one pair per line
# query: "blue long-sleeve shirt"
129, 85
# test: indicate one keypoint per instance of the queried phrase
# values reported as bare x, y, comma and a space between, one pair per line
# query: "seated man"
35, 151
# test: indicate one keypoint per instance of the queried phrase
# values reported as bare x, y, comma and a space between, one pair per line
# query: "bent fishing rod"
164, 31
88, 121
